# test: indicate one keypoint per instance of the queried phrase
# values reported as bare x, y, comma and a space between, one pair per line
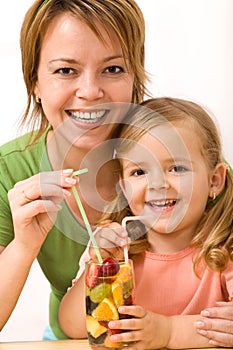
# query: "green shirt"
66, 241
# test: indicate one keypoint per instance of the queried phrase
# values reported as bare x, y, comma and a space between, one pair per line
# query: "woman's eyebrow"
74, 61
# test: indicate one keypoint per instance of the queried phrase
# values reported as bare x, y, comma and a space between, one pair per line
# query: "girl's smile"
167, 184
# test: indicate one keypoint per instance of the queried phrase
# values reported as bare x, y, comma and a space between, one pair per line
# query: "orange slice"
117, 293
106, 310
109, 344
125, 273
94, 327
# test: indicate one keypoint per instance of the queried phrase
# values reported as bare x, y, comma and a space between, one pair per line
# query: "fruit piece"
96, 341
94, 271
94, 327
110, 267
127, 288
114, 331
125, 279
90, 306
99, 292
129, 300
106, 310
117, 293
109, 344
88, 291
125, 273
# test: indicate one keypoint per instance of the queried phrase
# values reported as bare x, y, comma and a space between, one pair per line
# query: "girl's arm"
72, 312
155, 331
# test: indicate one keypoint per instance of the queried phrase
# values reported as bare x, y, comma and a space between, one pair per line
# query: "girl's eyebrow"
142, 163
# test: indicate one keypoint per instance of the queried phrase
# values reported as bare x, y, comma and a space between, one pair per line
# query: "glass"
108, 286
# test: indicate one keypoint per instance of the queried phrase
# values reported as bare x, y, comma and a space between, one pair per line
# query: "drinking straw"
84, 216
123, 224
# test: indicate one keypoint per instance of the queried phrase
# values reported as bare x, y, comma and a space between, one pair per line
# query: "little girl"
173, 175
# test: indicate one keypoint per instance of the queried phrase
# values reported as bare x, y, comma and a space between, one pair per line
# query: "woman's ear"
217, 180
37, 91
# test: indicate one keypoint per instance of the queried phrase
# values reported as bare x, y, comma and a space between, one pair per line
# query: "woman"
78, 59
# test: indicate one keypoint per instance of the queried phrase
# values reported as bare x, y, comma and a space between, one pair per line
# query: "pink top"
167, 284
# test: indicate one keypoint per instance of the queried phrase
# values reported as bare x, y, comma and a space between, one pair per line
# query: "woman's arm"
32, 220
15, 264
216, 324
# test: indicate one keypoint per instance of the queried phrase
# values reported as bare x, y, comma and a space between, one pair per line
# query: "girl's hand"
147, 329
216, 324
34, 205
110, 238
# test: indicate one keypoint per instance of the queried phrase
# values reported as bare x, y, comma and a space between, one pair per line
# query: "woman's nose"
89, 87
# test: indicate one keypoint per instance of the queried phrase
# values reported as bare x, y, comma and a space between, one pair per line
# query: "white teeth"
163, 203
91, 117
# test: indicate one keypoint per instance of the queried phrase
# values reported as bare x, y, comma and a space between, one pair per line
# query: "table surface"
81, 344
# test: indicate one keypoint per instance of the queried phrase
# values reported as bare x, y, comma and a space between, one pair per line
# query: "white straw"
123, 224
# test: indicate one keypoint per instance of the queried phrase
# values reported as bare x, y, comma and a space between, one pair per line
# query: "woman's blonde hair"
123, 16
215, 230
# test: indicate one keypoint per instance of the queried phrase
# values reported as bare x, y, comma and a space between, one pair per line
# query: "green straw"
84, 216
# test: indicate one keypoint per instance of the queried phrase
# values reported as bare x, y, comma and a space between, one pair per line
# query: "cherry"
110, 267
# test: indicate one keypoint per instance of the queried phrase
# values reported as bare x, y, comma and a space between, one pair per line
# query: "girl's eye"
114, 70
138, 172
178, 169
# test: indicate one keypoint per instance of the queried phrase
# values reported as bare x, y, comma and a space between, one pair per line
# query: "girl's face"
76, 73
166, 179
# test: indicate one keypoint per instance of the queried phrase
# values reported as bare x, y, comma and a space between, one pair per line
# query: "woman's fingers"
54, 185
216, 324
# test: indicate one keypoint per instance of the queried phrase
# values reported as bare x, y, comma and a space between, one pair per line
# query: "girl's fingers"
111, 237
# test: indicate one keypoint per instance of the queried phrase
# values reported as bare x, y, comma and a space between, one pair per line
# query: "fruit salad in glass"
108, 286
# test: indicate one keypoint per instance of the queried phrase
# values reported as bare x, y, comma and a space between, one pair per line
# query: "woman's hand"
34, 205
110, 238
216, 324
147, 329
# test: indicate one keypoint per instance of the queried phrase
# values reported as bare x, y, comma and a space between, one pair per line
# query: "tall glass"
108, 286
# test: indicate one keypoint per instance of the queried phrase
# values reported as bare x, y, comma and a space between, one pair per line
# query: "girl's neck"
168, 243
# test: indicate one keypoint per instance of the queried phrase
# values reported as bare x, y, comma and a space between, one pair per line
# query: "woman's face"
76, 73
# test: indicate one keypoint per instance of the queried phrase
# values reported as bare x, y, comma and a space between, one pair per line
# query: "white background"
189, 53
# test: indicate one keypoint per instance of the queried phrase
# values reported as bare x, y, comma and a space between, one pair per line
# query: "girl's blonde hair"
123, 16
215, 230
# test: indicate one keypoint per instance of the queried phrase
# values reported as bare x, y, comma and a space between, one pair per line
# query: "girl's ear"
217, 180
125, 188
122, 184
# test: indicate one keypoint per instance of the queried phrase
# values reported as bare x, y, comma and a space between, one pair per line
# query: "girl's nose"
157, 180
89, 87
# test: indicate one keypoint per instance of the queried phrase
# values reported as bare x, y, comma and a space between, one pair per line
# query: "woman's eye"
65, 71
114, 69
